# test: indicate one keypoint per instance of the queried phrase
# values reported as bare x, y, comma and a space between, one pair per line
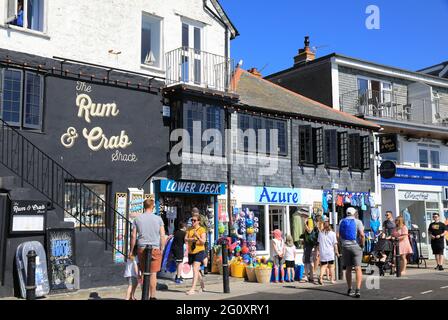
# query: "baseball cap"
351, 211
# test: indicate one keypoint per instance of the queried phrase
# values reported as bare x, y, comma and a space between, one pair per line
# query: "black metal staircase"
37, 169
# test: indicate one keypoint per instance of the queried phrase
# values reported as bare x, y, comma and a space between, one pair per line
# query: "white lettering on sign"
89, 109
118, 156
96, 140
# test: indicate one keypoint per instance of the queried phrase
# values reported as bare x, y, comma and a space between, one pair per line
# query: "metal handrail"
199, 68
39, 170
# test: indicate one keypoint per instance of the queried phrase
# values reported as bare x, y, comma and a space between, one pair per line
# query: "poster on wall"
28, 217
136, 199
61, 258
222, 211
121, 200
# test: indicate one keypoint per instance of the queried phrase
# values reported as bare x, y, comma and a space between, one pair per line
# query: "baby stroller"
384, 255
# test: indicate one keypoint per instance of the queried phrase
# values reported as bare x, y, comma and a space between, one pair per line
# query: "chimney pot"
255, 72
305, 55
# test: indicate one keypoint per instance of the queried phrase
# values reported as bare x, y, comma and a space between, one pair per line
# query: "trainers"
357, 293
440, 268
437, 267
178, 281
349, 292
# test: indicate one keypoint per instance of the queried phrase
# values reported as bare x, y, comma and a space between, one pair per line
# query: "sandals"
189, 292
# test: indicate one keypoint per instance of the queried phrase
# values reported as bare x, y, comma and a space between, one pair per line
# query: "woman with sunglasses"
195, 238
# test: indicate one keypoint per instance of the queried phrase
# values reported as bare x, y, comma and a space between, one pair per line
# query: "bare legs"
404, 262
196, 277
348, 276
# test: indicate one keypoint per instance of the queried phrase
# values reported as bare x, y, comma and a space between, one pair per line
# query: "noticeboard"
28, 216
61, 255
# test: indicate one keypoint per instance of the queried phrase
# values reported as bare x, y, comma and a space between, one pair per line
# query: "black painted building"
77, 136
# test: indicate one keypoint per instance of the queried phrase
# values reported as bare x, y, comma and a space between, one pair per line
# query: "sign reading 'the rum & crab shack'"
96, 137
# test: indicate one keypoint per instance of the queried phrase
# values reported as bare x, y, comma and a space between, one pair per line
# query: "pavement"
418, 284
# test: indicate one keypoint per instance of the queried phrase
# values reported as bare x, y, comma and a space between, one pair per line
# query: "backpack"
347, 229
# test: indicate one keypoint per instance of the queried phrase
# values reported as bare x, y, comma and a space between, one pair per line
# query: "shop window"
343, 149
207, 117
254, 142
151, 41
355, 151
305, 145
86, 203
365, 141
28, 14
259, 212
22, 99
331, 148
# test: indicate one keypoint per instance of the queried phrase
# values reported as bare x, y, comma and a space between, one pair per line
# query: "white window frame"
161, 64
9, 19
15, 124
191, 25
41, 102
382, 82
430, 162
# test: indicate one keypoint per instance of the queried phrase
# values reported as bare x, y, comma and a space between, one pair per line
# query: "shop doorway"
277, 219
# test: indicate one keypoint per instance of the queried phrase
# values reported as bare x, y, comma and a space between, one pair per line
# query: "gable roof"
259, 93
438, 70
224, 18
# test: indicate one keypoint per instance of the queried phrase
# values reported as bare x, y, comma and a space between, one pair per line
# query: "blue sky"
412, 35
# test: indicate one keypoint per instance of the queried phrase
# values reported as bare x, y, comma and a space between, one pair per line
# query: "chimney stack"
255, 72
305, 55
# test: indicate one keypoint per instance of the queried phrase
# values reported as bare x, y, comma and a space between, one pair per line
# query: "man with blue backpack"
351, 236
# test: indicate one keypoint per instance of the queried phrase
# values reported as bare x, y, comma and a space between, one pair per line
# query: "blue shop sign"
416, 176
277, 195
192, 187
387, 186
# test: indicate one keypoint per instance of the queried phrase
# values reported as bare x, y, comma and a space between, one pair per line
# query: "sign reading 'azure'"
277, 195
192, 187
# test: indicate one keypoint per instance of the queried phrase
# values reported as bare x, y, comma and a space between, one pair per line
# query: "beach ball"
245, 250
237, 249
250, 230
242, 214
221, 228
249, 222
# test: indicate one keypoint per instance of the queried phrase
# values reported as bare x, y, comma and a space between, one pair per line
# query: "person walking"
309, 240
131, 273
437, 232
290, 258
196, 238
278, 254
328, 248
351, 235
404, 245
148, 230
178, 249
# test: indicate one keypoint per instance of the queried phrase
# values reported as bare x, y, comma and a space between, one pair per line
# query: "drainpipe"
229, 165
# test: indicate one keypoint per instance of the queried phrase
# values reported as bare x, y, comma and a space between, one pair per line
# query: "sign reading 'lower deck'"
192, 187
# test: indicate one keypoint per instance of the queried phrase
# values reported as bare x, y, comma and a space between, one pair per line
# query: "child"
131, 274
290, 258
178, 250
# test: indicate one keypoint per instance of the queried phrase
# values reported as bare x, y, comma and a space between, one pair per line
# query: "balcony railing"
390, 105
199, 68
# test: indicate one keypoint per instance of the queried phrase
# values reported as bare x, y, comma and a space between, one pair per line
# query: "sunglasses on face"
194, 220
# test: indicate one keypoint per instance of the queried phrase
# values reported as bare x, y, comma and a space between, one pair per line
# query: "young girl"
278, 254
290, 258
131, 274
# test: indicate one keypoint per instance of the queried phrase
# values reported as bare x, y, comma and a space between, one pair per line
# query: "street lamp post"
334, 221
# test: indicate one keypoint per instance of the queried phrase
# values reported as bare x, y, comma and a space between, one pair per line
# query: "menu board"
28, 216
61, 255
121, 200
135, 203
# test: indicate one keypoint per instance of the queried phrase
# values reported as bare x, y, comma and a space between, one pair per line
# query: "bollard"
146, 272
397, 258
225, 268
31, 276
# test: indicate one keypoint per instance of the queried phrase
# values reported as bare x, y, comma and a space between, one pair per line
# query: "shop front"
416, 195
176, 199
285, 209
